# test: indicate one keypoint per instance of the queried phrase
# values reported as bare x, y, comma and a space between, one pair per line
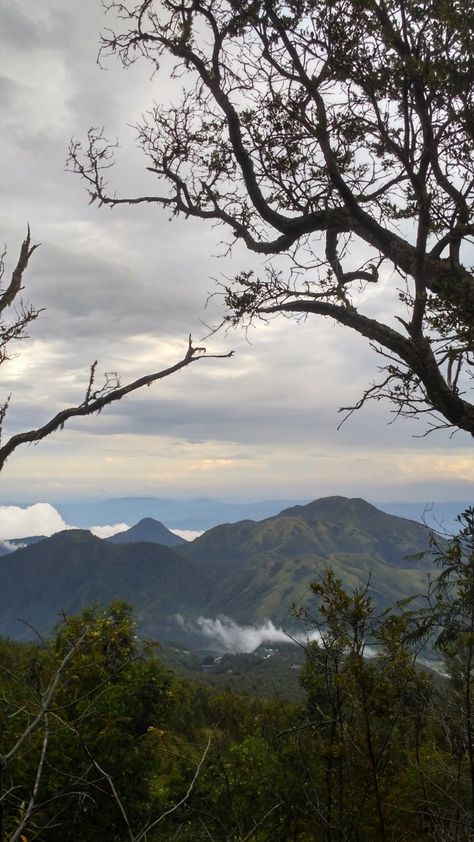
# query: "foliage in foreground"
98, 740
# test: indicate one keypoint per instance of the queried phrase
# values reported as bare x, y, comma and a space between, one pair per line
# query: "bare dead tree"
97, 396
340, 135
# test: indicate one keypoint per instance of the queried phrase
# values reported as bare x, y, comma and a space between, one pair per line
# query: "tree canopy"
98, 739
338, 134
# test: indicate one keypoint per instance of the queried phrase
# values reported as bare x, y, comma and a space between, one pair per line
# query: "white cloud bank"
108, 531
187, 534
235, 638
39, 519
43, 519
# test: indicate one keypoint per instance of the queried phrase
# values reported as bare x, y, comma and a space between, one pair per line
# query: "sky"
127, 286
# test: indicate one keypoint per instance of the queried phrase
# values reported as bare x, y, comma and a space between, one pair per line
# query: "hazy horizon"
187, 518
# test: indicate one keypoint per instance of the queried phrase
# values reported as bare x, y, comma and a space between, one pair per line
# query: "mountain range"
204, 513
194, 514
250, 571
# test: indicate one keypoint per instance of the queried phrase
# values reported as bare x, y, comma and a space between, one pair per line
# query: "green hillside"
269, 564
249, 571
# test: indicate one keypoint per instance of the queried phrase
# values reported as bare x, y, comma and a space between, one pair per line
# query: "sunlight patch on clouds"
143, 352
211, 464
160, 465
456, 466
36, 355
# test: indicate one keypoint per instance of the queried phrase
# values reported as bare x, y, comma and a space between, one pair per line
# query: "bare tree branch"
322, 129
94, 402
8, 296
95, 398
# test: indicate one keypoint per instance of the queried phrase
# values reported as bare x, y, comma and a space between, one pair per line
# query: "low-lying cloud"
187, 534
234, 638
230, 637
108, 531
10, 547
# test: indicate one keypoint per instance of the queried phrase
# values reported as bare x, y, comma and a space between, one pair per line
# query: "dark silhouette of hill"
74, 569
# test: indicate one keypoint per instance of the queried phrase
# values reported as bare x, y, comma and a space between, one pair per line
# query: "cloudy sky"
127, 286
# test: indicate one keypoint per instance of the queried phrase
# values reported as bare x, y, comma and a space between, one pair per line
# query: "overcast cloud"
127, 286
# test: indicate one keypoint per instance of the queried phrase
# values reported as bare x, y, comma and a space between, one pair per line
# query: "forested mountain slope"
260, 569
74, 569
249, 571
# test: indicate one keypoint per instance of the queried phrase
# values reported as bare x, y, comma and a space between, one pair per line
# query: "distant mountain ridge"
205, 513
194, 514
249, 571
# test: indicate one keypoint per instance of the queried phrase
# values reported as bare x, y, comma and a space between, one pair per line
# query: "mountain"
74, 569
267, 565
249, 571
149, 530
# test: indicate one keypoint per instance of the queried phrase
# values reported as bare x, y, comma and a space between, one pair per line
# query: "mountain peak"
150, 523
328, 507
149, 530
